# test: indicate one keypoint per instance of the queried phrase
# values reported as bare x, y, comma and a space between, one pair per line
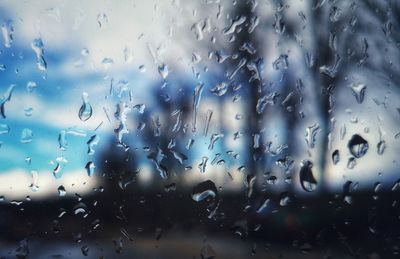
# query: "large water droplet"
358, 146
85, 112
204, 190
307, 179
38, 48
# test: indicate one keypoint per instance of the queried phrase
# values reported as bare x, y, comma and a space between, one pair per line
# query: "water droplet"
163, 71
26, 136
80, 209
85, 112
396, 186
140, 108
7, 30
220, 89
358, 146
351, 163
57, 171
381, 147
28, 111
204, 190
235, 23
358, 91
102, 19
62, 140
93, 141
264, 100
30, 86
208, 119
281, 63
307, 179
272, 180
202, 166
4, 129
85, 250
214, 138
264, 204
90, 168
107, 63
335, 157
6, 97
196, 102
38, 48
61, 191
35, 181
311, 134
286, 199
179, 156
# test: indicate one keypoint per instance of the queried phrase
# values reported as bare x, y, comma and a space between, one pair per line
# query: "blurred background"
202, 129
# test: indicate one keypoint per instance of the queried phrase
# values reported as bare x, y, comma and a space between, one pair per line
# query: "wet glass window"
200, 129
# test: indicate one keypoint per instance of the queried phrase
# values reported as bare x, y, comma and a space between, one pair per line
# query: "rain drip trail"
196, 101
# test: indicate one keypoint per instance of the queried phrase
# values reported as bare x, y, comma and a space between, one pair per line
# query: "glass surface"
199, 129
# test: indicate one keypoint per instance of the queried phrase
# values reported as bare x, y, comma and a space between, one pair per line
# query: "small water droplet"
381, 147
80, 209
4, 129
61, 191
335, 157
93, 141
351, 163
281, 63
311, 134
30, 86
102, 19
214, 138
307, 179
90, 168
26, 136
7, 30
85, 112
220, 89
202, 166
358, 91
35, 181
204, 190
163, 71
